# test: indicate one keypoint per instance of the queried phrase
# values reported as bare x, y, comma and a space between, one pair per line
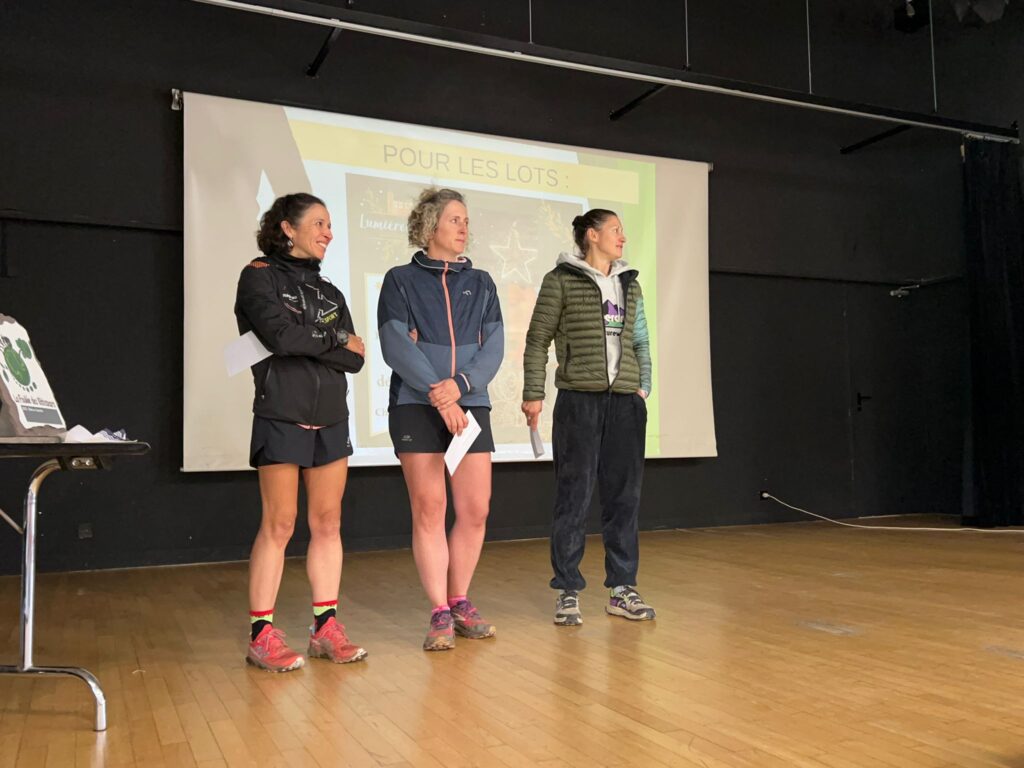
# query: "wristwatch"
342, 335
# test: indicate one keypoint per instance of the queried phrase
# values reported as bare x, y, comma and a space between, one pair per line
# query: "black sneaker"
567, 608
627, 603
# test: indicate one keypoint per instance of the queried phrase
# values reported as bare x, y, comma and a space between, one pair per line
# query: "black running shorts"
281, 442
420, 429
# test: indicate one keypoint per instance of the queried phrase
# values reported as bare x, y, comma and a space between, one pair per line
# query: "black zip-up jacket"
297, 314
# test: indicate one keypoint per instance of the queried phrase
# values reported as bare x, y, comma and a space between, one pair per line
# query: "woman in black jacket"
300, 422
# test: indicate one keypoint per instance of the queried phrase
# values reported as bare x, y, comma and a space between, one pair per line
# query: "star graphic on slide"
514, 257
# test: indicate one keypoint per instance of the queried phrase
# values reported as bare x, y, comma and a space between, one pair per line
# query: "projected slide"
522, 197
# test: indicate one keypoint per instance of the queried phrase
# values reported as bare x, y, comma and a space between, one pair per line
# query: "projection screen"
521, 195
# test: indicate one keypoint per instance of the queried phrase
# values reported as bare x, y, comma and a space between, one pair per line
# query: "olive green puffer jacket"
569, 310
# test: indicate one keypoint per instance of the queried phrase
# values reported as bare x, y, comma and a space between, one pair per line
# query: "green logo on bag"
13, 364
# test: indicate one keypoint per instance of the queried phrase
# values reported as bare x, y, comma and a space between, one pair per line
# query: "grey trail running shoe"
626, 602
567, 608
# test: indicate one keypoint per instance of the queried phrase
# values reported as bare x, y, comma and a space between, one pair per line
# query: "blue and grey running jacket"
455, 313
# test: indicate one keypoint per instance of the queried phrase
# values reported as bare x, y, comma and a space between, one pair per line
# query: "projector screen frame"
525, 148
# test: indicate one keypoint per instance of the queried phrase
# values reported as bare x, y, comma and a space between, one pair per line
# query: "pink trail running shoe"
441, 636
469, 623
330, 642
269, 651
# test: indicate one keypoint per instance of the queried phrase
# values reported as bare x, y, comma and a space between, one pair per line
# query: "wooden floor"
784, 645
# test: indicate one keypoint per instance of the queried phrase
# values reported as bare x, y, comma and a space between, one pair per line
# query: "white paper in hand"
536, 443
461, 443
245, 351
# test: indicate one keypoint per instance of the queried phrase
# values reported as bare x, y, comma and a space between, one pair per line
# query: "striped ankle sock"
259, 619
324, 611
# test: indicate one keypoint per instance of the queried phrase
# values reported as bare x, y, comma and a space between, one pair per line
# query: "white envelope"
461, 443
243, 352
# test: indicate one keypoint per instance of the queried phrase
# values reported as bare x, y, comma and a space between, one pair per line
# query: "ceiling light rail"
332, 37
489, 45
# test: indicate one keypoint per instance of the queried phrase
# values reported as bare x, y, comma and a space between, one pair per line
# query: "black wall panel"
653, 34
752, 40
857, 54
89, 141
981, 68
907, 358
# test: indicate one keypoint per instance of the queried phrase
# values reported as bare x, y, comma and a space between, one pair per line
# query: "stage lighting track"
487, 45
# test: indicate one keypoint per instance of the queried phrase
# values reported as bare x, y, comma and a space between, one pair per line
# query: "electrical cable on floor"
766, 495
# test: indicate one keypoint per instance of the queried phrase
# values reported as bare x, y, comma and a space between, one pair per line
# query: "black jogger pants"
598, 437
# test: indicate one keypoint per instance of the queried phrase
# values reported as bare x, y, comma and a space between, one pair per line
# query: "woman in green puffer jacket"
592, 307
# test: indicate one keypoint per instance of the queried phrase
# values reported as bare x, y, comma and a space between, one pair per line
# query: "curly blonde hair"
424, 217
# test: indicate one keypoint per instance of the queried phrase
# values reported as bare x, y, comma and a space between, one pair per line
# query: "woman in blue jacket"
441, 333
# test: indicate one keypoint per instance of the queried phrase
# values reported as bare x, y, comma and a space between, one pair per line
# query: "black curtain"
995, 281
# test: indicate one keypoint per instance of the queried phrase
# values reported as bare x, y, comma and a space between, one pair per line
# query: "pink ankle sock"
438, 608
457, 599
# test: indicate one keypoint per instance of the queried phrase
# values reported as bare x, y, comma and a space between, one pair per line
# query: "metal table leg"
28, 598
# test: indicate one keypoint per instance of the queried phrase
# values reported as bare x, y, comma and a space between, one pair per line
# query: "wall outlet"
85, 530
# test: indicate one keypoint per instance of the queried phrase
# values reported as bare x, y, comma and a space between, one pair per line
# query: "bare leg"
424, 477
324, 488
471, 493
279, 487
